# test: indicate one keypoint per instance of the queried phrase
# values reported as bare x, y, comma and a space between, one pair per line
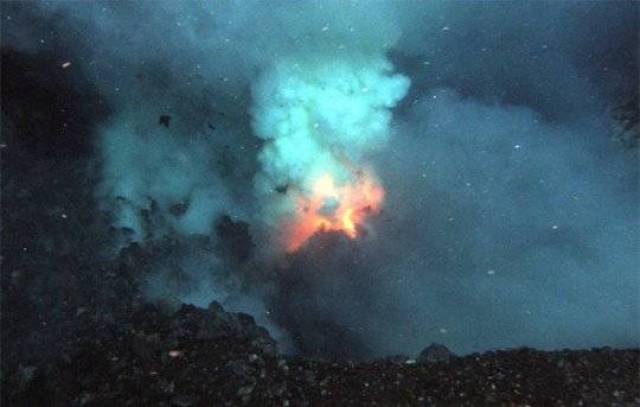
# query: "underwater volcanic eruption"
250, 150
320, 119
332, 207
241, 202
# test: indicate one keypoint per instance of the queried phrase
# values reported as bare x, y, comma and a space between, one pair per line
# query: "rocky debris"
434, 353
164, 120
200, 357
627, 116
191, 322
24, 377
178, 209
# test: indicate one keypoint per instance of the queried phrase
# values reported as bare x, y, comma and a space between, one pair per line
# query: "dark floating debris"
627, 118
178, 209
282, 189
164, 120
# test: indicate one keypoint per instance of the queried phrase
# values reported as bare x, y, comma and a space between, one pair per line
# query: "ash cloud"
510, 216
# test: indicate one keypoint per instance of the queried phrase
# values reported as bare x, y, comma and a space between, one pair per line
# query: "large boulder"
434, 353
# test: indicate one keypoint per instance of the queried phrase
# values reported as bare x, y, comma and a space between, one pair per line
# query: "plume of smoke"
196, 62
320, 117
157, 183
497, 237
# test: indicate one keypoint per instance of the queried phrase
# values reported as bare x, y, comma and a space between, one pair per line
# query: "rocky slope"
198, 357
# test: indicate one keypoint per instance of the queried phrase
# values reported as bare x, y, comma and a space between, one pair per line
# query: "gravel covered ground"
208, 357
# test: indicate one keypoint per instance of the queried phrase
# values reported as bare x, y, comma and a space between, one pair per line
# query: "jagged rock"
239, 368
25, 376
627, 116
164, 120
178, 209
434, 353
183, 401
246, 390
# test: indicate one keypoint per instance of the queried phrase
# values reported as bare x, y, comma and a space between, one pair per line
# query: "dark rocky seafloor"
76, 330
209, 357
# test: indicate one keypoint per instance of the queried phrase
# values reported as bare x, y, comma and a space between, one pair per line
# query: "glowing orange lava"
332, 207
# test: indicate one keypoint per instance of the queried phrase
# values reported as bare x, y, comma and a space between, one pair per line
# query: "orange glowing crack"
331, 207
